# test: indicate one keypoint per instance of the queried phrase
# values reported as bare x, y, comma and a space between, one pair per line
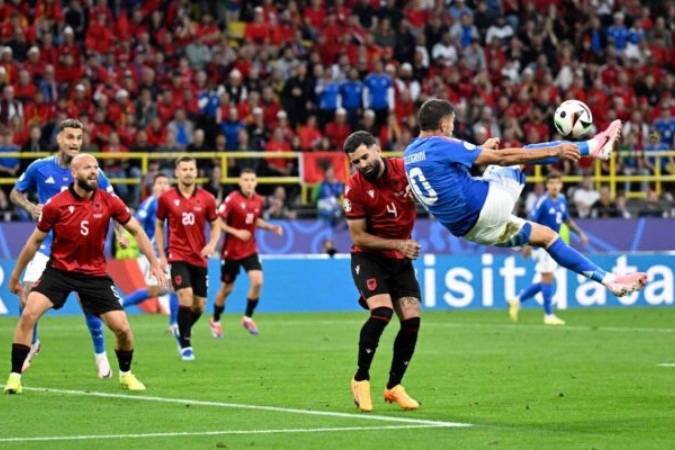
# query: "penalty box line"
181, 401
214, 433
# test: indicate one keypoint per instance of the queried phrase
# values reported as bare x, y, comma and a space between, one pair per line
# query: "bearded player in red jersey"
187, 208
380, 215
79, 217
240, 216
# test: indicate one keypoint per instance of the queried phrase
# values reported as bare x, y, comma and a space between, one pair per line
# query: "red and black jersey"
383, 204
241, 212
186, 218
80, 226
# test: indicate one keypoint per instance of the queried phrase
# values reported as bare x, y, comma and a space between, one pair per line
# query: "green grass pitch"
604, 381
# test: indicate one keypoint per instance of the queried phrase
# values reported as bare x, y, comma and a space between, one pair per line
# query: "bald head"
84, 168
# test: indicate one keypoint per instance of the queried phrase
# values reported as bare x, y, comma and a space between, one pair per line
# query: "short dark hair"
70, 123
432, 112
357, 139
160, 175
247, 170
185, 158
553, 176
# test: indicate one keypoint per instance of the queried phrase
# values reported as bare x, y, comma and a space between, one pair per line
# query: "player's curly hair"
432, 112
357, 139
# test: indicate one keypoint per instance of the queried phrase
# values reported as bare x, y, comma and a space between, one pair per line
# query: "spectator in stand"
652, 206
215, 185
9, 166
310, 135
298, 95
230, 128
338, 130
327, 95
379, 93
277, 206
585, 196
351, 97
182, 127
604, 207
9, 106
327, 197
278, 166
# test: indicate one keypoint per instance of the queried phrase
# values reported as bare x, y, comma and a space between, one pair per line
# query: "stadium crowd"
178, 75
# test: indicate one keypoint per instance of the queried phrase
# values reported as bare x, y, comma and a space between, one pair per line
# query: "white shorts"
150, 280
544, 262
35, 267
496, 223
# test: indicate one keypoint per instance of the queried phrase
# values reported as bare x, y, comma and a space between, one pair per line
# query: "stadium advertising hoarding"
482, 281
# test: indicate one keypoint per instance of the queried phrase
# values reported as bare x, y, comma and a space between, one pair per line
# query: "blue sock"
136, 297
95, 326
547, 293
173, 308
583, 149
571, 259
35, 335
529, 292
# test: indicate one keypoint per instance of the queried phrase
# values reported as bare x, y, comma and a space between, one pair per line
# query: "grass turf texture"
593, 384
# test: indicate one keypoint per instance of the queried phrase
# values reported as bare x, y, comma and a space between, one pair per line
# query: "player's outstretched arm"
20, 199
361, 238
276, 229
27, 252
145, 246
519, 155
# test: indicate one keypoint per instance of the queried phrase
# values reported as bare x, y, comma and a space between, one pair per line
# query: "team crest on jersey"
371, 283
243, 205
176, 202
347, 205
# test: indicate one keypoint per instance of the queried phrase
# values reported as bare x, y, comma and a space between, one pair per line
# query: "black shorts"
375, 274
230, 268
185, 275
98, 295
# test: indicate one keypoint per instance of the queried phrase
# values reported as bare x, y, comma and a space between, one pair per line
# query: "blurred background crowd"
167, 76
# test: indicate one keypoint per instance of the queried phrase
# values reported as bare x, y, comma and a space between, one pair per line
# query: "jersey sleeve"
566, 210
118, 210
104, 183
48, 217
459, 152
352, 203
162, 209
26, 181
224, 209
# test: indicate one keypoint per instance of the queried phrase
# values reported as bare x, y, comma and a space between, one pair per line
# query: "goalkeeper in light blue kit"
146, 214
49, 176
481, 209
549, 210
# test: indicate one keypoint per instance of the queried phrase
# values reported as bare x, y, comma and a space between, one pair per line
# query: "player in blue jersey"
47, 177
147, 217
549, 210
480, 209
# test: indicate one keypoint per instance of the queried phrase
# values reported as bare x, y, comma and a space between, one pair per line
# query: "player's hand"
163, 264
527, 251
208, 250
277, 229
491, 144
409, 194
583, 238
15, 285
410, 248
244, 235
36, 211
122, 241
569, 152
158, 273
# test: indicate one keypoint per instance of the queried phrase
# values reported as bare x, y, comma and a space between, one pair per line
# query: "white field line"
182, 401
666, 365
212, 433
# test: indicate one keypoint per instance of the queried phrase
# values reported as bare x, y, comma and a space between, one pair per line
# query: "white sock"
124, 373
98, 356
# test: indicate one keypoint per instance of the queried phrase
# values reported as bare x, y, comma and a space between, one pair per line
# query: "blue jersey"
438, 172
46, 177
147, 216
550, 212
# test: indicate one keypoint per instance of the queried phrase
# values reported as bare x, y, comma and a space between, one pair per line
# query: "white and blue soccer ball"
573, 118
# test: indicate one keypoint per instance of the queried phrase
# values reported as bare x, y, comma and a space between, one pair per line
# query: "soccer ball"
573, 118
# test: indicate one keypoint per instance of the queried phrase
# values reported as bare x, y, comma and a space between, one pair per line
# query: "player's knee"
28, 318
383, 313
411, 325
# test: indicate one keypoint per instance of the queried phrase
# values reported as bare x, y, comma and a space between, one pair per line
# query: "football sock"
404, 347
95, 326
217, 312
370, 338
19, 355
571, 259
195, 316
136, 297
173, 308
251, 304
124, 358
185, 325
547, 293
529, 292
